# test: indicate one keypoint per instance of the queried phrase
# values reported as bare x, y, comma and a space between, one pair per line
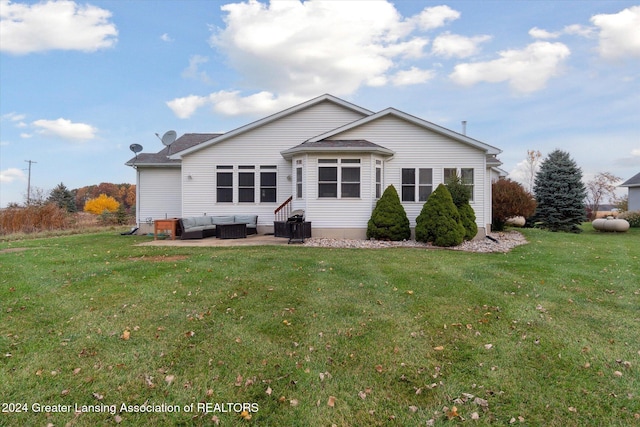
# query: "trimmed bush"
461, 194
632, 217
439, 221
389, 220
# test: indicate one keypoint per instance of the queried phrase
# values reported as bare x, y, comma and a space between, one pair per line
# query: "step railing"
283, 212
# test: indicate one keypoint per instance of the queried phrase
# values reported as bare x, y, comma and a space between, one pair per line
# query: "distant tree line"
75, 200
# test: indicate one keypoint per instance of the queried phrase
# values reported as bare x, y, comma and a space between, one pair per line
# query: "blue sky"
82, 81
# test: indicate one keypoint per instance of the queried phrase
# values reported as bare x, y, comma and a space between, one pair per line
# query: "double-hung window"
378, 179
339, 178
246, 184
224, 184
466, 177
299, 179
417, 184
268, 184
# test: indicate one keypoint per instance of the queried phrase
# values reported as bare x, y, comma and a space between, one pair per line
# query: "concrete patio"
250, 240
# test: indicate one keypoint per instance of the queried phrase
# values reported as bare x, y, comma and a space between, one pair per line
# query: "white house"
329, 157
633, 184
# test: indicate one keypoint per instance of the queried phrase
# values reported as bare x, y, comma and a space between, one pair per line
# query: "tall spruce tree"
560, 194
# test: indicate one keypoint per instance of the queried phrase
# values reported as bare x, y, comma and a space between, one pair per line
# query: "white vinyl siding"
416, 148
259, 146
159, 193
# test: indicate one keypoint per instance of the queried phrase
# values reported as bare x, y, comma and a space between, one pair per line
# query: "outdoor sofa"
199, 227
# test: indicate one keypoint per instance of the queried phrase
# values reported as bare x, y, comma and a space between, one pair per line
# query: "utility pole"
29, 182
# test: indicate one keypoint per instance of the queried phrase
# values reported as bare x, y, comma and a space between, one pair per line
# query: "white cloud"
232, 103
193, 71
184, 107
454, 45
526, 70
12, 174
14, 117
436, 17
313, 47
412, 76
166, 38
539, 33
65, 25
632, 160
619, 33
65, 129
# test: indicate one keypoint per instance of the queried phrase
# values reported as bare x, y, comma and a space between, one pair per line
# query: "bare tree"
533, 161
602, 187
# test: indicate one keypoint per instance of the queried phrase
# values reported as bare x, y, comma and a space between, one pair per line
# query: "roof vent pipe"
464, 127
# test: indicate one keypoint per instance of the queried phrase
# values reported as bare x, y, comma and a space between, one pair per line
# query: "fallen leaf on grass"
488, 346
453, 413
475, 416
189, 334
117, 419
617, 373
269, 391
245, 415
169, 379
362, 395
331, 402
413, 409
98, 396
126, 335
439, 348
379, 368
64, 392
293, 402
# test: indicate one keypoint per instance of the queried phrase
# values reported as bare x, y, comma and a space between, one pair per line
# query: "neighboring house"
633, 184
331, 158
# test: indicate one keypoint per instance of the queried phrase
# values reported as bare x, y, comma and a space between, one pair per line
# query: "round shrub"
439, 221
632, 217
389, 220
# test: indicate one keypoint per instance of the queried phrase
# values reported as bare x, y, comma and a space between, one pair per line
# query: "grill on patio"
295, 224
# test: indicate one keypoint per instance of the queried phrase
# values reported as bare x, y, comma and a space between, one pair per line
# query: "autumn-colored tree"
101, 204
509, 199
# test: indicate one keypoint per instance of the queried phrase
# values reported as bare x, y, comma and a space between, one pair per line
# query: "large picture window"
339, 178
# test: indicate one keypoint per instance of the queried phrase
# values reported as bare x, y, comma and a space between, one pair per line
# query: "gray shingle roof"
337, 145
634, 181
160, 158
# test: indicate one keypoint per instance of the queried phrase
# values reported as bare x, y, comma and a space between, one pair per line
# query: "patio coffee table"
236, 230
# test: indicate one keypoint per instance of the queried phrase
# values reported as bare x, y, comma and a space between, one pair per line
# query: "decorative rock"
610, 224
503, 242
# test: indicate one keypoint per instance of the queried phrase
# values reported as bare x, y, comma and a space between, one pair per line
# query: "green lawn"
548, 334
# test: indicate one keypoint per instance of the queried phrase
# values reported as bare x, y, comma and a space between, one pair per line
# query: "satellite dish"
169, 137
136, 148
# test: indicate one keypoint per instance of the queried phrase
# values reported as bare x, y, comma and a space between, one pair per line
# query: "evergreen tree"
439, 221
63, 197
389, 220
461, 194
560, 193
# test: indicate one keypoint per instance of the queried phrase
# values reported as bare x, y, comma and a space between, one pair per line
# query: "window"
299, 182
327, 178
268, 185
467, 179
350, 178
408, 185
424, 185
224, 184
378, 179
465, 174
345, 172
